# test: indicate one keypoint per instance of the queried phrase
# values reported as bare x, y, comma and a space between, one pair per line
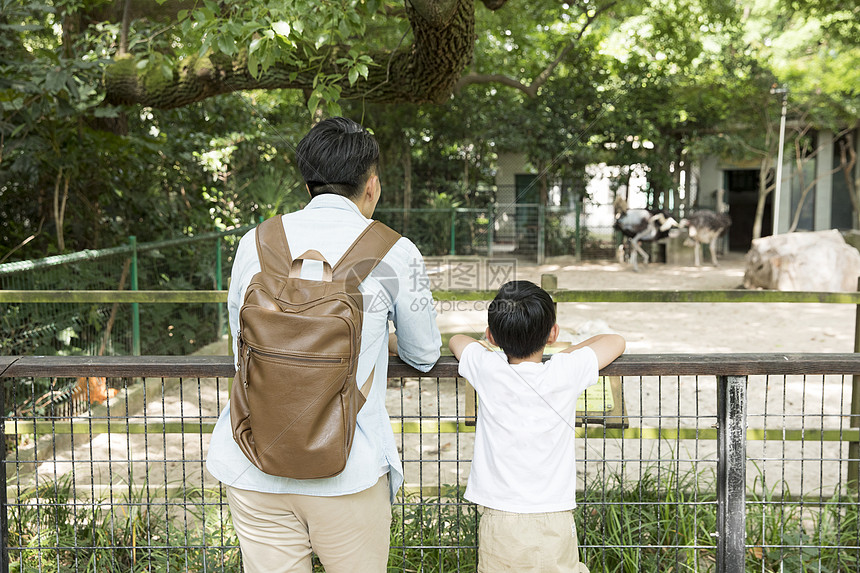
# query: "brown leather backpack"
294, 400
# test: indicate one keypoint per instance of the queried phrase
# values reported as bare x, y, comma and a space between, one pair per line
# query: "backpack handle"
310, 255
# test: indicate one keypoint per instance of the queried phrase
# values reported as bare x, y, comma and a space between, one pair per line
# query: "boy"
523, 475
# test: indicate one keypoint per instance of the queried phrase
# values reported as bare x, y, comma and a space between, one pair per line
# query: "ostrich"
705, 227
641, 225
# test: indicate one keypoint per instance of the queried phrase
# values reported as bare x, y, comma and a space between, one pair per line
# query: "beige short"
527, 542
278, 531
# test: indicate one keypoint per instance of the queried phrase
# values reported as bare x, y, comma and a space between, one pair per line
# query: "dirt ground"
681, 327
433, 458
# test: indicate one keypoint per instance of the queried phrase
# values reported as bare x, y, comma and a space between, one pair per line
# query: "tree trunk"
763, 191
60, 208
407, 183
424, 72
802, 155
126, 24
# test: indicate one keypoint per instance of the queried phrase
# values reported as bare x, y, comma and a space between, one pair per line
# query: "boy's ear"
553, 334
489, 336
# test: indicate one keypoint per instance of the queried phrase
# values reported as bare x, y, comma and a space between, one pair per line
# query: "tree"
371, 50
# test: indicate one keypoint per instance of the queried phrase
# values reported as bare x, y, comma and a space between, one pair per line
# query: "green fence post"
490, 229
540, 232
453, 231
135, 307
854, 447
577, 208
219, 284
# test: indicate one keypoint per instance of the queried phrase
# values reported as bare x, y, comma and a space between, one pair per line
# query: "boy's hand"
458, 343
607, 347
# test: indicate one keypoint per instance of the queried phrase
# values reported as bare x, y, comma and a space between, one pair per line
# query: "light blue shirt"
397, 290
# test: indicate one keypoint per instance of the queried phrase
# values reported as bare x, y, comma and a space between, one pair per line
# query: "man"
344, 519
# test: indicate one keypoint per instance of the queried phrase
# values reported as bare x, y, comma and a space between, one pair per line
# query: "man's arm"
414, 314
607, 347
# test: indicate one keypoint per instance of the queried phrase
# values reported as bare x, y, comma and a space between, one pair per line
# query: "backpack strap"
365, 389
272, 248
365, 253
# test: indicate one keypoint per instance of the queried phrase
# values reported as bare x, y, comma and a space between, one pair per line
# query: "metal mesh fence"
53, 328
62, 328
123, 487
522, 231
526, 231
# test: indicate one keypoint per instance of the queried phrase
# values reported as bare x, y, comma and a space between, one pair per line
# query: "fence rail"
723, 463
558, 295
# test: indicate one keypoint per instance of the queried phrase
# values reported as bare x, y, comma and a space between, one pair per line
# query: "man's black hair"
337, 156
521, 318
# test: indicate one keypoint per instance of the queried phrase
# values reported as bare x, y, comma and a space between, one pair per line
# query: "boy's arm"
458, 343
607, 347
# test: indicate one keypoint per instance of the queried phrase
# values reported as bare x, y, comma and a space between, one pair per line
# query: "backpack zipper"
290, 356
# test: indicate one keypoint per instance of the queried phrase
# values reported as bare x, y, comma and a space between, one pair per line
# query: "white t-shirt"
525, 457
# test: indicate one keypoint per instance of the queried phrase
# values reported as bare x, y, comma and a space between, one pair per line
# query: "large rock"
821, 261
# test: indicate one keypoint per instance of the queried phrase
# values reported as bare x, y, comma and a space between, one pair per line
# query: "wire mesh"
123, 486
52, 328
802, 513
194, 263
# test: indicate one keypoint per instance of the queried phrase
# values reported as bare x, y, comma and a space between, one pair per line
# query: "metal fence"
529, 232
66, 327
685, 463
203, 262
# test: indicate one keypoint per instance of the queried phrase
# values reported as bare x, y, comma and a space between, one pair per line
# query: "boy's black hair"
521, 318
337, 156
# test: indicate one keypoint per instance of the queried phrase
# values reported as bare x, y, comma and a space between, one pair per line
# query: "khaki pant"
527, 542
278, 532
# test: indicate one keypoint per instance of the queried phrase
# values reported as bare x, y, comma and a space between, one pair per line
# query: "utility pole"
784, 91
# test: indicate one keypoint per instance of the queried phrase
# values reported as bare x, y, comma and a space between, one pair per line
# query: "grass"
662, 521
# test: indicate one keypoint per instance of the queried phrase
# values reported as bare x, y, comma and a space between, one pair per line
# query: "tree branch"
531, 89
424, 72
126, 23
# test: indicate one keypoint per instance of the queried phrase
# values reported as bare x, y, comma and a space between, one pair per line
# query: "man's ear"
372, 188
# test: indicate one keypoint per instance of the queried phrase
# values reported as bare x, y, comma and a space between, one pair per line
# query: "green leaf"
204, 46
55, 80
362, 69
353, 75
334, 109
226, 44
282, 29
343, 28
142, 64
255, 44
313, 102
253, 64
